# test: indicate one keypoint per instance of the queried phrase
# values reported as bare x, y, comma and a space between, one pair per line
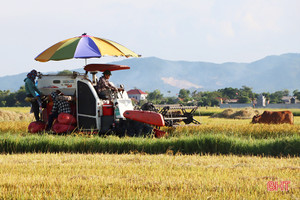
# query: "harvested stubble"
140, 176
246, 113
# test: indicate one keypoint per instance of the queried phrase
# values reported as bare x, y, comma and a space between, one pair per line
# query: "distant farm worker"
104, 86
31, 91
59, 106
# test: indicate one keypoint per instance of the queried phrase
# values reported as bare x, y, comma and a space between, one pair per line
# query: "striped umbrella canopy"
84, 46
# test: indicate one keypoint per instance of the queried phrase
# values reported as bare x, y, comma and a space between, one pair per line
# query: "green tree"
184, 94
246, 92
2, 103
196, 95
170, 100
11, 100
286, 92
20, 97
230, 92
244, 99
207, 98
65, 72
296, 93
276, 97
4, 93
155, 96
3, 96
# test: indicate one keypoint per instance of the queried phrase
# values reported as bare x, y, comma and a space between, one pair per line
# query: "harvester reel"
174, 114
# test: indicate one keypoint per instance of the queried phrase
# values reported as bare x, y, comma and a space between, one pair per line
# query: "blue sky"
193, 30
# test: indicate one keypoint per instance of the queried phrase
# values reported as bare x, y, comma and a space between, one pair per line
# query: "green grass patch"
200, 144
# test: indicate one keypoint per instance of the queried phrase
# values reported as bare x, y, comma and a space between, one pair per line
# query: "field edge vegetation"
201, 144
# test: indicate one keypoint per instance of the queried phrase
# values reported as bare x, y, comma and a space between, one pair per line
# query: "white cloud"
227, 29
182, 84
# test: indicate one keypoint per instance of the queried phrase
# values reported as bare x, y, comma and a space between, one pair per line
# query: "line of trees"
13, 99
207, 98
185, 97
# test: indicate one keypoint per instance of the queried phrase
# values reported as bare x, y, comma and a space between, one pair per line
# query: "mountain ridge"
269, 74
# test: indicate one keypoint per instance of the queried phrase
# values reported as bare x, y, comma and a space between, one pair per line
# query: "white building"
137, 94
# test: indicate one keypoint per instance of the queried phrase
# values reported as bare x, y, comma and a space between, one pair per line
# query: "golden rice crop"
16, 109
142, 176
6, 115
236, 127
15, 127
15, 119
209, 125
137, 176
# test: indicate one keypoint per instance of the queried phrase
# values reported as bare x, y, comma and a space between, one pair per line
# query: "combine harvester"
114, 114
91, 113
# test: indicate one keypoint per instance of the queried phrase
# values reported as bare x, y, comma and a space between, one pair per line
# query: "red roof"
136, 91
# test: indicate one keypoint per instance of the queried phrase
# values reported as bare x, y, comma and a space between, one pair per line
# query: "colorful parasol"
84, 46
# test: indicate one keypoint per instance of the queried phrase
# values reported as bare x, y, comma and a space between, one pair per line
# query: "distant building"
137, 94
230, 101
286, 99
261, 101
290, 100
220, 99
293, 100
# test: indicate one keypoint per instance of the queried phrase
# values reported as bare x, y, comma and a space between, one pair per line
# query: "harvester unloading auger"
114, 114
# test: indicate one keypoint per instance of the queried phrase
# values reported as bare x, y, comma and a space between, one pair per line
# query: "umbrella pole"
85, 62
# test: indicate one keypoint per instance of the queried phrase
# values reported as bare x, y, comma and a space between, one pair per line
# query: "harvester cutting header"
92, 109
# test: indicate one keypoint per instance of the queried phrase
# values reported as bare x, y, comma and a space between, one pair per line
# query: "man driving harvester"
104, 86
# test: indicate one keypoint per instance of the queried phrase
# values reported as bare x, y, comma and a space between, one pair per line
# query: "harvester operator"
31, 91
104, 86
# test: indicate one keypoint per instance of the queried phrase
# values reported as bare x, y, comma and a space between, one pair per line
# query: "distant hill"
269, 74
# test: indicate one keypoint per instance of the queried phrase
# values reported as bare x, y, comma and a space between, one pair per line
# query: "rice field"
142, 176
92, 167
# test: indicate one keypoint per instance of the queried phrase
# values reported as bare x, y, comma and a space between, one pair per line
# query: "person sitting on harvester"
59, 106
104, 86
31, 91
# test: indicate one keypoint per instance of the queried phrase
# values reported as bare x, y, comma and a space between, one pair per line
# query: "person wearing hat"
31, 93
59, 106
104, 86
